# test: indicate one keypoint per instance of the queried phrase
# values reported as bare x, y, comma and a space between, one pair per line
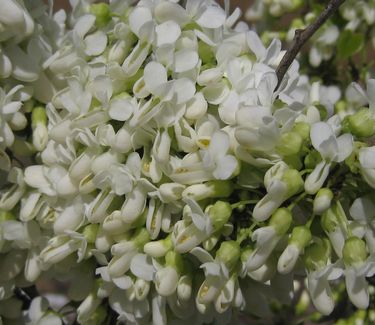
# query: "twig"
301, 36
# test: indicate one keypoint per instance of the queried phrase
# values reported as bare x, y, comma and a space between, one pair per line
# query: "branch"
301, 36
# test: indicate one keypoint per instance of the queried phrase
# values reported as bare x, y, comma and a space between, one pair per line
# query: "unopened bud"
289, 144
322, 200
219, 214
354, 251
281, 220
360, 124
229, 253
102, 13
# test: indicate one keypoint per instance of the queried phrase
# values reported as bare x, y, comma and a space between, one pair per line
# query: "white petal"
321, 295
288, 259
142, 267
121, 109
362, 209
138, 17
212, 17
84, 24
184, 90
345, 144
166, 11
318, 176
95, 43
167, 33
202, 255
356, 287
185, 60
367, 157
256, 45
320, 132
225, 167
155, 75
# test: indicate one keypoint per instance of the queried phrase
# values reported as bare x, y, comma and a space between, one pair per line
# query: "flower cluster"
157, 167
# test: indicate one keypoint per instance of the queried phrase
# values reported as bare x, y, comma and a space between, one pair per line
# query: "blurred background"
243, 4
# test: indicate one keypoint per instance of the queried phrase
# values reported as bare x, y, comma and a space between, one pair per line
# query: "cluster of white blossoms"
154, 166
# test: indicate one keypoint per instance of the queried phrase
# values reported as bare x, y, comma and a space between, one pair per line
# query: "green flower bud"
294, 181
354, 251
312, 159
317, 254
205, 53
211, 189
219, 214
340, 107
289, 144
361, 124
141, 237
245, 254
281, 221
303, 129
6, 215
175, 260
38, 115
329, 221
322, 200
301, 237
102, 13
229, 253
90, 232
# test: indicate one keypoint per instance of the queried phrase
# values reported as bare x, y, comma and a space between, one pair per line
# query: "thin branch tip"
301, 36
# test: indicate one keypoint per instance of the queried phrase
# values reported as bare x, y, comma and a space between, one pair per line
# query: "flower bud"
281, 220
90, 232
300, 237
229, 253
141, 237
303, 129
316, 255
312, 159
292, 178
158, 248
102, 13
141, 289
170, 192
166, 280
184, 287
38, 116
354, 251
175, 260
40, 137
361, 124
87, 308
219, 214
322, 200
289, 144
210, 189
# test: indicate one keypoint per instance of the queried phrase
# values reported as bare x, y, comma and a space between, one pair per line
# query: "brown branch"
301, 36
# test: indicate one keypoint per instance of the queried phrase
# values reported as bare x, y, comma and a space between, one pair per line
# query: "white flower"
331, 148
215, 157
367, 167
38, 313
319, 289
363, 211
